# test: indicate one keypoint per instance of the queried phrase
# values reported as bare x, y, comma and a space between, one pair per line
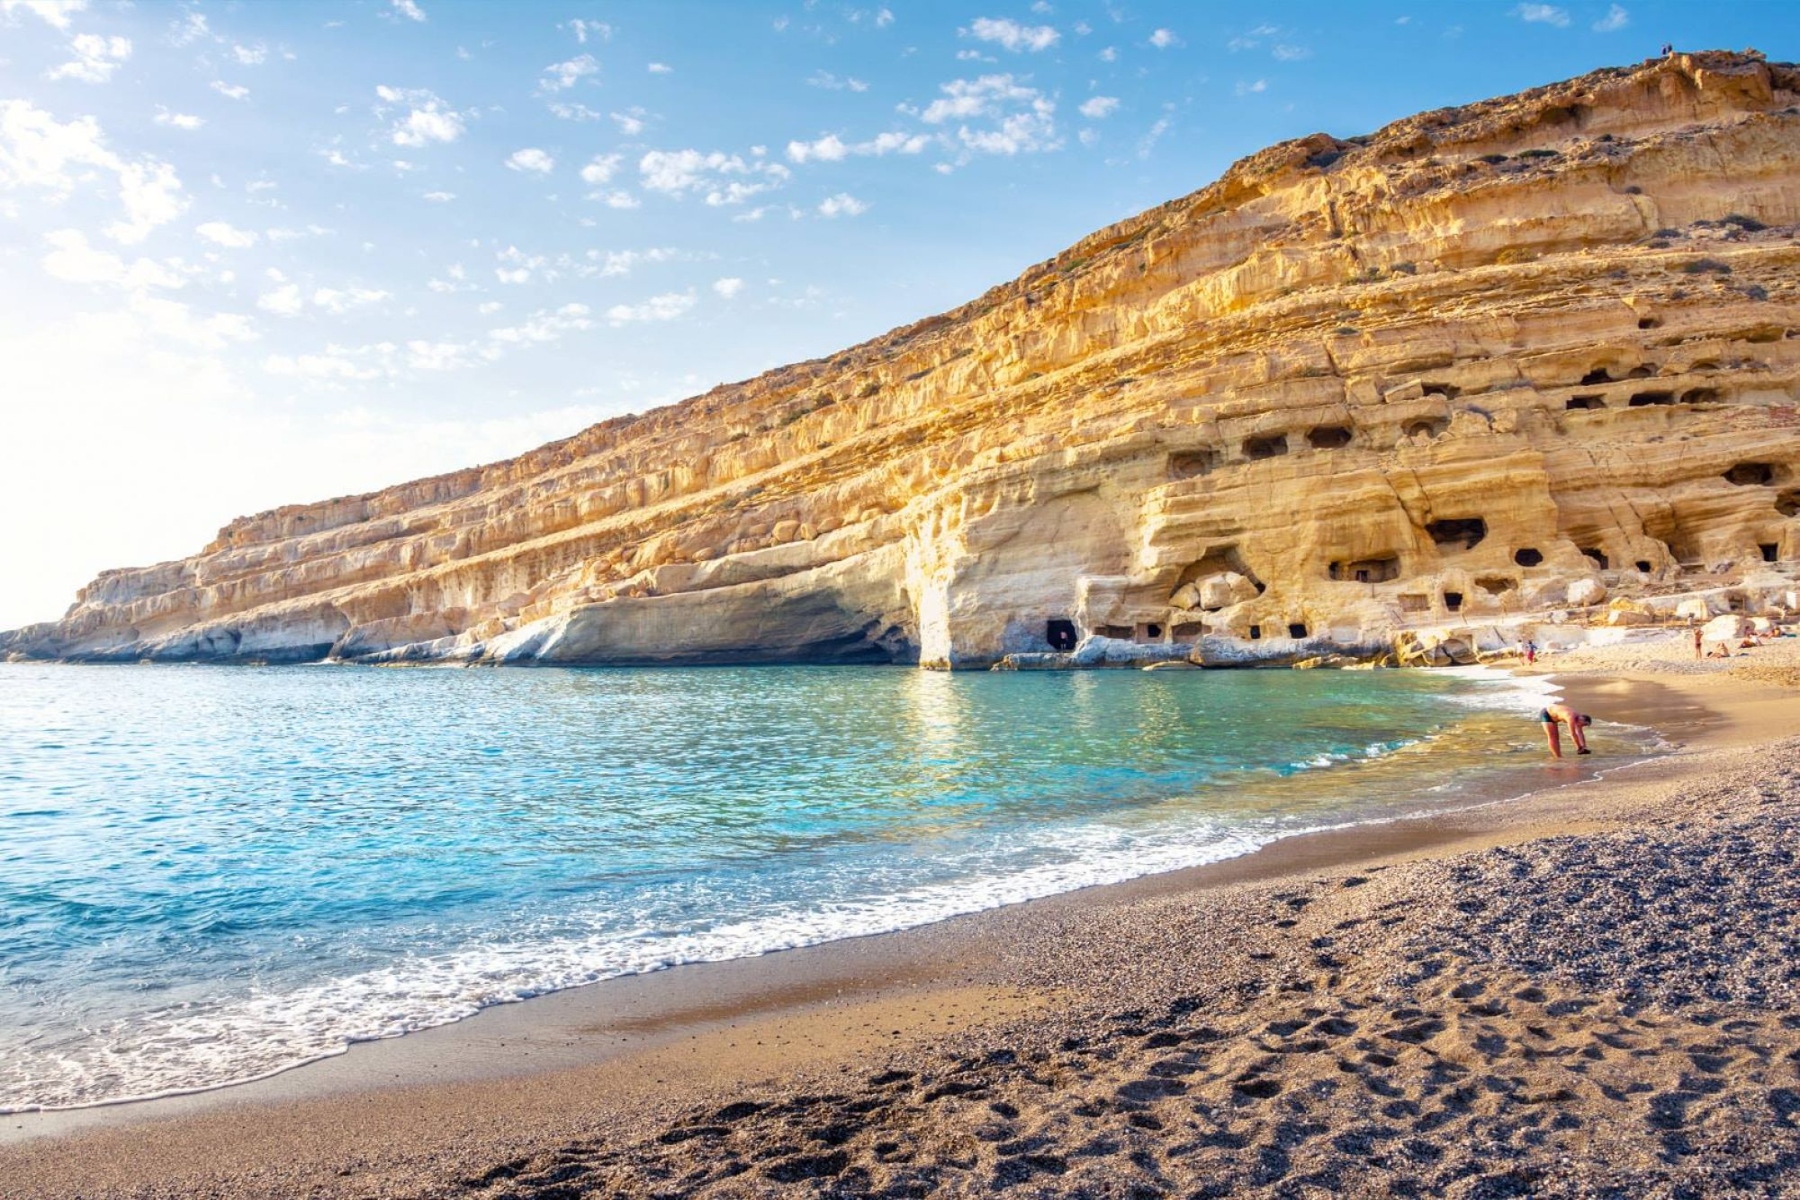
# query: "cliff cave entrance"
1453, 601
1496, 585
1650, 399
1458, 533
1366, 570
1751, 474
1700, 396
1585, 403
1528, 557
1597, 555
1272, 446
1770, 551
1597, 375
1426, 428
1296, 629
1191, 464
1788, 504
1060, 634
1328, 437
1643, 564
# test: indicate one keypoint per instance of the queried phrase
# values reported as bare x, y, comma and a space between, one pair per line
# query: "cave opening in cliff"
1597, 555
1256, 633
1449, 391
1751, 474
1643, 371
1650, 399
1150, 631
1060, 634
1649, 323
1191, 464
1643, 564
1366, 570
1296, 629
1788, 504
1597, 375
1458, 533
1588, 403
1496, 585
1453, 601
1426, 428
1328, 437
1188, 632
1272, 446
1705, 364
1528, 557
1118, 632
1770, 551
1702, 395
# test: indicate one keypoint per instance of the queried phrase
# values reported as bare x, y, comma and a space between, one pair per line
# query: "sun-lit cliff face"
1534, 351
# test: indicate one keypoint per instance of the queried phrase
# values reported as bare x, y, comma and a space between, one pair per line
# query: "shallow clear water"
209, 874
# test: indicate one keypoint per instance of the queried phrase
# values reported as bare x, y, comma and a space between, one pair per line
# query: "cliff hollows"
1535, 351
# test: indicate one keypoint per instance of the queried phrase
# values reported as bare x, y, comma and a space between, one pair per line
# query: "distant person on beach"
1719, 650
1530, 653
1558, 715
1696, 641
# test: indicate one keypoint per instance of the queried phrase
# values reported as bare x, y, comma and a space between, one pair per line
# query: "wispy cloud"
560, 76
1011, 34
408, 9
665, 307
721, 178
96, 58
177, 120
1543, 14
231, 91
531, 159
727, 288
56, 13
1099, 107
221, 234
1616, 18
37, 151
831, 148
842, 205
428, 119
833, 83
1022, 118
1165, 39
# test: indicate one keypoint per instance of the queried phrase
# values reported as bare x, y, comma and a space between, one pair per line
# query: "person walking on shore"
1560, 714
1696, 641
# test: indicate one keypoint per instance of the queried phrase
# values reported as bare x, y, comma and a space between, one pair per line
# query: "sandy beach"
1594, 990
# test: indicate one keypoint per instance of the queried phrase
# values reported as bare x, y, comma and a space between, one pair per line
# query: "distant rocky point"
1536, 353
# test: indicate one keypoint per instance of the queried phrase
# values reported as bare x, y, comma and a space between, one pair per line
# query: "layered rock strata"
1533, 352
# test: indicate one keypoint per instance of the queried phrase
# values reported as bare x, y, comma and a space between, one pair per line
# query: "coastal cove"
295, 859
621, 1056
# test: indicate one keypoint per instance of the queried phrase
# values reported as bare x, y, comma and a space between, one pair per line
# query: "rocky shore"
1594, 991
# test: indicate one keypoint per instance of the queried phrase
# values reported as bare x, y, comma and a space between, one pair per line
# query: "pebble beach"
1590, 991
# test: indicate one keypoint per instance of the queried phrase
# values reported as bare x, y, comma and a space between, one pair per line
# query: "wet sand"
1585, 991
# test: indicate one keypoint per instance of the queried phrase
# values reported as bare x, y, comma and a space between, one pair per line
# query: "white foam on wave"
1502, 689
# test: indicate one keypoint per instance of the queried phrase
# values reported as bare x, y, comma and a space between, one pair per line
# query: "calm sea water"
211, 874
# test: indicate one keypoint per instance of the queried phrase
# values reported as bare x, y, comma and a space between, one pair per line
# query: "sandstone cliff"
1536, 351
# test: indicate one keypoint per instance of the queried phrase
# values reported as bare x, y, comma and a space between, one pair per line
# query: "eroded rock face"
1539, 351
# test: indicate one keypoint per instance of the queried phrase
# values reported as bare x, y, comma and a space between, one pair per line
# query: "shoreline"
617, 1054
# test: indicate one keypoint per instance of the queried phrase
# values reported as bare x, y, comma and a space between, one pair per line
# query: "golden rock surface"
1539, 352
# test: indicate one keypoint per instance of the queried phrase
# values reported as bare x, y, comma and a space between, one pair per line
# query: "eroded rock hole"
1597, 555
1151, 632
1121, 632
1188, 632
1586, 402
1649, 323
1458, 533
1256, 633
1597, 375
1426, 428
1641, 372
1191, 464
1769, 551
1296, 629
1643, 564
1366, 570
1700, 395
1528, 557
1448, 391
1328, 437
1495, 585
1751, 474
1650, 399
1272, 446
1788, 504
1060, 634
1453, 601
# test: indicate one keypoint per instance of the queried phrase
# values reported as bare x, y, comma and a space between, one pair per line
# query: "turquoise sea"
211, 874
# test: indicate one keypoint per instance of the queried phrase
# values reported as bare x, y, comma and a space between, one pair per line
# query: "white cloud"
573, 112
562, 75
1011, 34
339, 302
72, 259
489, 307
1543, 14
1616, 18
284, 300
442, 356
427, 119
440, 197
230, 90
665, 307
657, 68
408, 9
833, 83
1110, 54
583, 30
1163, 39
37, 151
1250, 89
617, 199
1099, 107
96, 58
1023, 118
191, 29
531, 159
727, 288
831, 148
221, 234
521, 266
55, 12
842, 205
600, 170
675, 172
250, 56
335, 363
178, 120
631, 121
1286, 52
545, 326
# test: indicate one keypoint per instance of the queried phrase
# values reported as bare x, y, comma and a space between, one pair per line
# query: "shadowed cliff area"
1531, 353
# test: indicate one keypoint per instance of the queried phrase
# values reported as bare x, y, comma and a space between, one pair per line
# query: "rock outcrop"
1539, 351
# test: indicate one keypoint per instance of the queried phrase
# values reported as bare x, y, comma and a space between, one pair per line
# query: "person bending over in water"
1562, 714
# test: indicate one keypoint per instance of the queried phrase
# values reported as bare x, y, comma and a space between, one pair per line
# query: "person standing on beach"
1696, 641
1561, 714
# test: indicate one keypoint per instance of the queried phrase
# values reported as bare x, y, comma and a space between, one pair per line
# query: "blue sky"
263, 253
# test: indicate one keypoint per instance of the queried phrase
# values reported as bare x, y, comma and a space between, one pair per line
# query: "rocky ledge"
1540, 352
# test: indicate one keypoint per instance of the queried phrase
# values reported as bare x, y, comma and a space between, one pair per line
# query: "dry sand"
1592, 991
